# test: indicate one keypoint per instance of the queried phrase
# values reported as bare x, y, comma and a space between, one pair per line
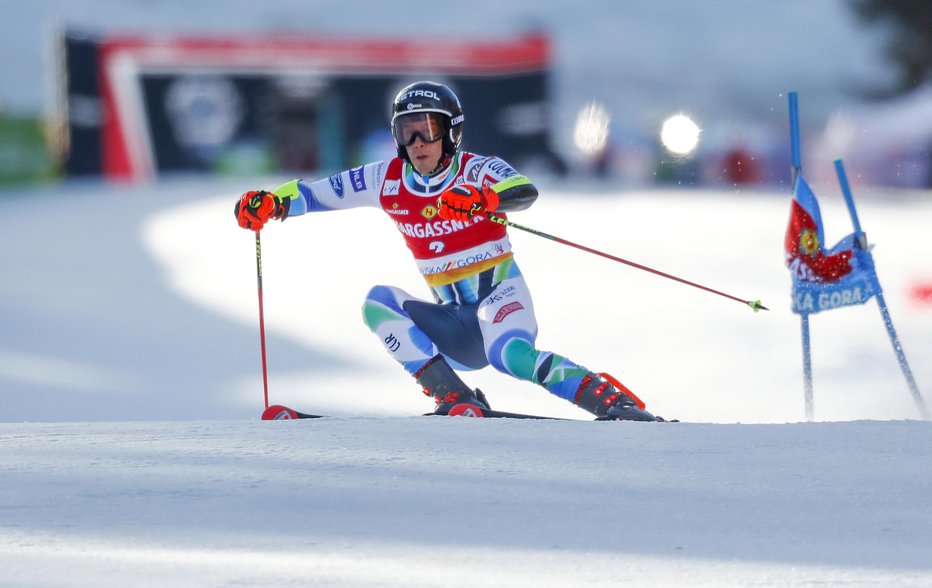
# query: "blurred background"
624, 93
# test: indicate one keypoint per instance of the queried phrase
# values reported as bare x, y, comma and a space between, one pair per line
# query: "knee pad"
514, 353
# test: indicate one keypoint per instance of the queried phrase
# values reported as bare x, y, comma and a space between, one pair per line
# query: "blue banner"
824, 279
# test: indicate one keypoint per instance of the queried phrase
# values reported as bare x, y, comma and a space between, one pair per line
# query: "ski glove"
255, 208
463, 201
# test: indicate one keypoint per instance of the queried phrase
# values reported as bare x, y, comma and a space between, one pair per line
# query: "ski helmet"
422, 99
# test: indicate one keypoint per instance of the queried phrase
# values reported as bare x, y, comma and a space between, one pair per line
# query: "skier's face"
421, 134
425, 156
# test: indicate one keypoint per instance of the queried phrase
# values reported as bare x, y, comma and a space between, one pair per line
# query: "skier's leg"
509, 329
385, 314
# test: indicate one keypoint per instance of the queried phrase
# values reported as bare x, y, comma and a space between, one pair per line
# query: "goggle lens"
426, 125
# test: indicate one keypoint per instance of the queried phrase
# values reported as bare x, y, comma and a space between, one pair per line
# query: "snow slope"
459, 502
130, 383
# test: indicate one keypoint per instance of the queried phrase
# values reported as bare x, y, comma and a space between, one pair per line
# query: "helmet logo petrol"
422, 93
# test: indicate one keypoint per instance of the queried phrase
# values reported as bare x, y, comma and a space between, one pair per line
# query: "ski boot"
442, 383
609, 400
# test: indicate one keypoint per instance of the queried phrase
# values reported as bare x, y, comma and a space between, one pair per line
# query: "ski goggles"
429, 126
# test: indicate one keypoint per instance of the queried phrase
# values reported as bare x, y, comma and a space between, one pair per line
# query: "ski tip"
756, 305
466, 410
277, 412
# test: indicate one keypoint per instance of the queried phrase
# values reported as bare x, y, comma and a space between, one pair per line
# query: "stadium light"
591, 132
680, 134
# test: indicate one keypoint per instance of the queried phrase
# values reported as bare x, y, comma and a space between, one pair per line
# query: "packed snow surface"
418, 501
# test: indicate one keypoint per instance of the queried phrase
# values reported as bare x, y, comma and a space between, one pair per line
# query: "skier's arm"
463, 201
352, 188
514, 190
515, 193
493, 186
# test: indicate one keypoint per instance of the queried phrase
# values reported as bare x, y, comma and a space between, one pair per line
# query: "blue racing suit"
482, 313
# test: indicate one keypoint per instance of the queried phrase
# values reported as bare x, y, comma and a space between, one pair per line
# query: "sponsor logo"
806, 302
379, 173
357, 179
429, 211
457, 263
391, 187
396, 210
392, 343
506, 310
336, 182
809, 242
457, 120
205, 112
500, 295
436, 246
421, 94
466, 410
473, 175
501, 168
431, 230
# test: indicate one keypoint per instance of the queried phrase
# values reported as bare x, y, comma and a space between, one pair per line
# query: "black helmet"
424, 98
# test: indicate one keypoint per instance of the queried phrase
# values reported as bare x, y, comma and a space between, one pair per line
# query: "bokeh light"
680, 134
591, 132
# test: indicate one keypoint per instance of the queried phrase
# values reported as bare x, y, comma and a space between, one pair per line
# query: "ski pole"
754, 304
265, 373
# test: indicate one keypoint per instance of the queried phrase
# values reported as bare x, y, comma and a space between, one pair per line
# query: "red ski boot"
610, 400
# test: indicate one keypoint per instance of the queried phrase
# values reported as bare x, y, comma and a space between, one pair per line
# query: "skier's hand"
255, 208
463, 201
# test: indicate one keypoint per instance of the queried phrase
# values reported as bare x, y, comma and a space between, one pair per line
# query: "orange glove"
255, 208
465, 200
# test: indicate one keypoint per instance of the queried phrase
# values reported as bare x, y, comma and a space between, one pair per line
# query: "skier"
438, 196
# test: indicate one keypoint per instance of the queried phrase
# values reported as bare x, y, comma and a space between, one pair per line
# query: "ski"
277, 412
469, 410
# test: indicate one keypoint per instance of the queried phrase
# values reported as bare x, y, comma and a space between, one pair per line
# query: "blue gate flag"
824, 278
